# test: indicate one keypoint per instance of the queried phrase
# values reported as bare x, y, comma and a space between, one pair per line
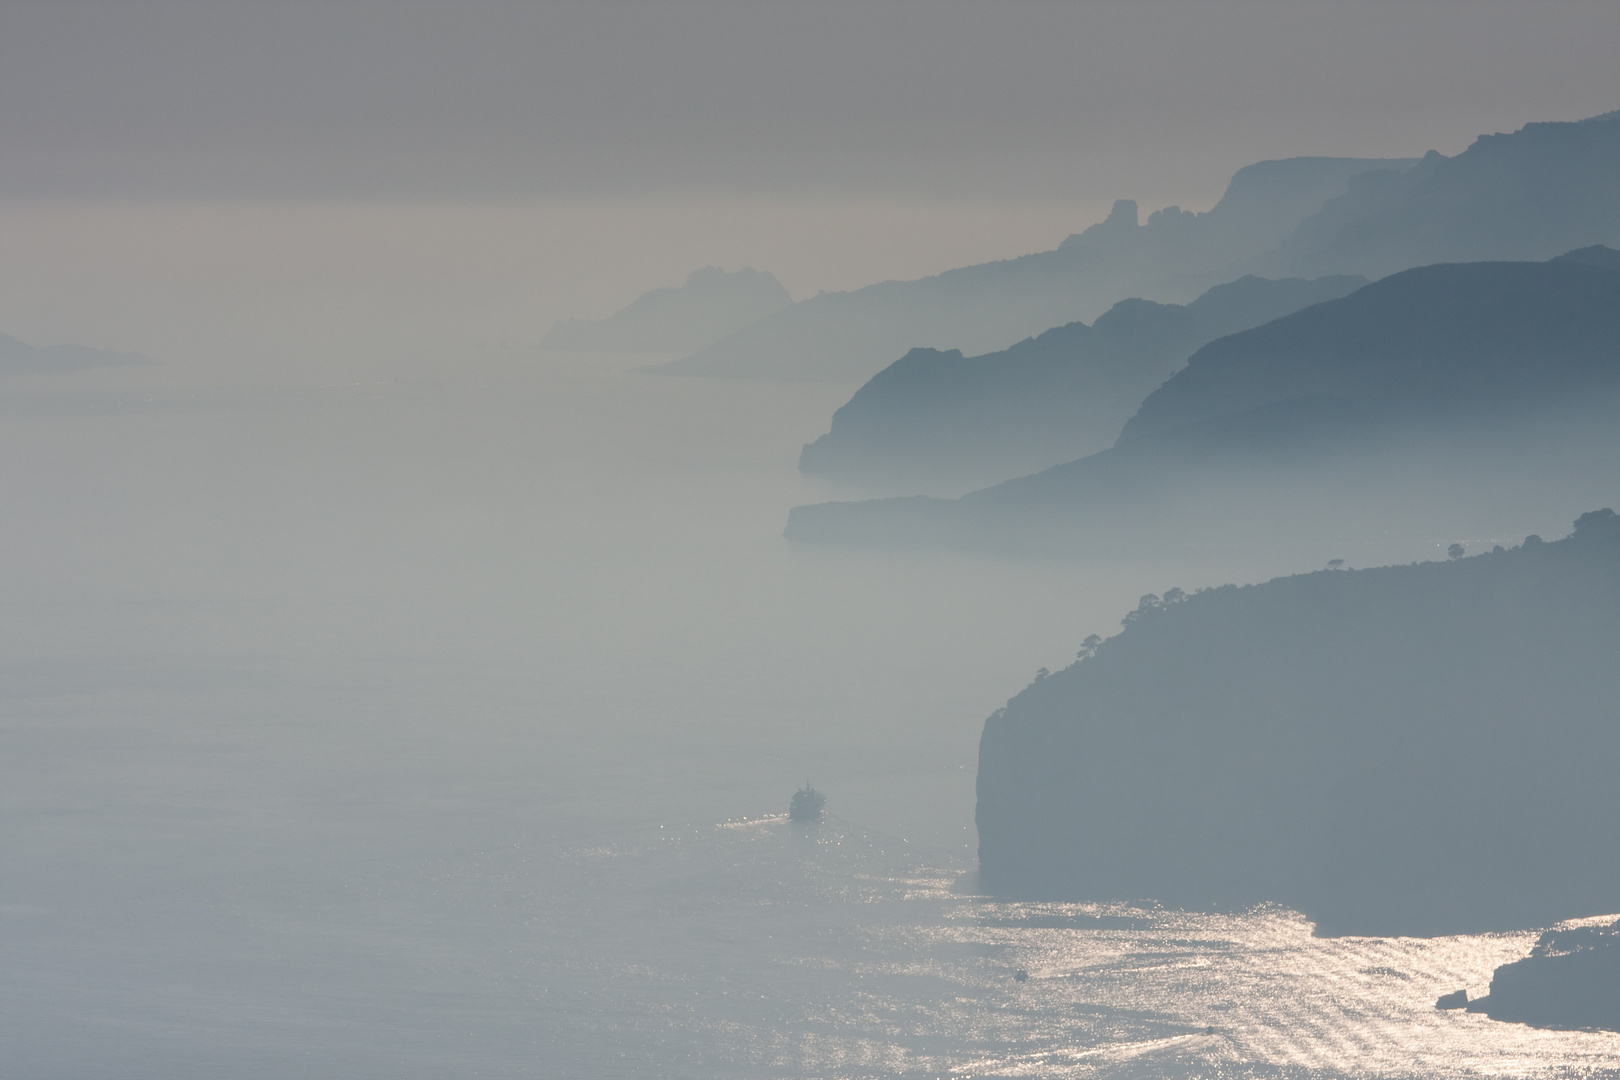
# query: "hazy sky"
935, 100
264, 180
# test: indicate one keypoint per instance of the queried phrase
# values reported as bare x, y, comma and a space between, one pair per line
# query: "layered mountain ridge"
1446, 389
1523, 195
941, 420
1174, 256
1529, 194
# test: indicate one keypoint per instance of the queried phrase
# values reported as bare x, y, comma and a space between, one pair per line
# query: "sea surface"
437, 718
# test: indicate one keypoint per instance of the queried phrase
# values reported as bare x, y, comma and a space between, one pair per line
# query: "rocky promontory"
1571, 979
1401, 751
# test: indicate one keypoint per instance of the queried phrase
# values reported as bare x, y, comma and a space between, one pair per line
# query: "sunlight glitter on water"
840, 953
1266, 992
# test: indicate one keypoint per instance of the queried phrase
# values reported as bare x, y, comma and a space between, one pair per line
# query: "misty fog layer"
389, 723
383, 99
279, 662
404, 670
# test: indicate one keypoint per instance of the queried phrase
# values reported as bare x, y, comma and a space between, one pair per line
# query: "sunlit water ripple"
755, 948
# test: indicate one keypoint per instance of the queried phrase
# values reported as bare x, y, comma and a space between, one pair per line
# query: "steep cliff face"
1410, 750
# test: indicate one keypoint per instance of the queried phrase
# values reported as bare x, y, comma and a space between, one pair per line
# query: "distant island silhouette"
707, 307
939, 418
17, 358
1485, 373
1409, 750
1174, 256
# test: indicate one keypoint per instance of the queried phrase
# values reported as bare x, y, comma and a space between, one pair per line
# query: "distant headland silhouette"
1499, 378
939, 418
1174, 256
17, 358
708, 306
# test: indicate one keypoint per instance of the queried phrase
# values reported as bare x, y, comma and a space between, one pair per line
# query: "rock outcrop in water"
941, 420
1461, 387
1571, 979
1410, 750
710, 305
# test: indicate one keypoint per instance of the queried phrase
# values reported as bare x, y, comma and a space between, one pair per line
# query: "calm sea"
440, 722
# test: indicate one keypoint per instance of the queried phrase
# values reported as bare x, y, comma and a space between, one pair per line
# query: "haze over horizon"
476, 172
394, 685
400, 99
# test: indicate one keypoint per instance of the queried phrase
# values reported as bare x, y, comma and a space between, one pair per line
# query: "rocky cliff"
1409, 750
1571, 979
